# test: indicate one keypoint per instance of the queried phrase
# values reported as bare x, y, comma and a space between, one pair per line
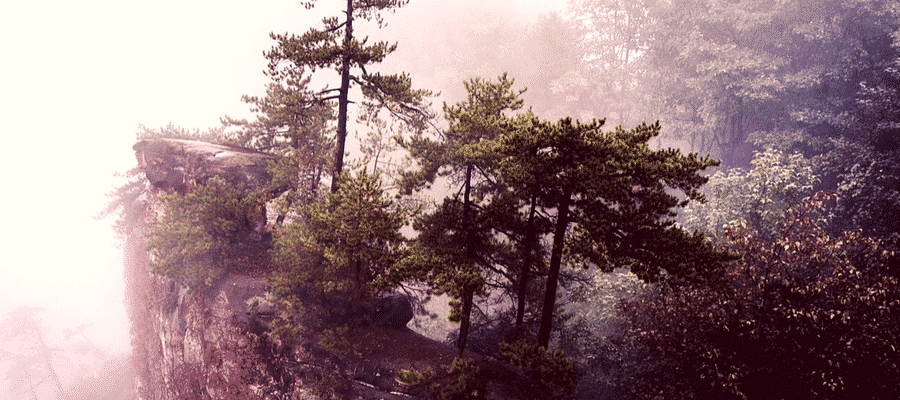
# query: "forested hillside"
643, 199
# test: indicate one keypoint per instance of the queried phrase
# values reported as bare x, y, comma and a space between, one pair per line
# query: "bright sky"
76, 79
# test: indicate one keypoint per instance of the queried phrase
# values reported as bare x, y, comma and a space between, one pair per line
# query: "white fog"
77, 78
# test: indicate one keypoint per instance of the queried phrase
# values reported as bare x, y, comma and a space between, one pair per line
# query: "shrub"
466, 381
549, 367
194, 241
807, 315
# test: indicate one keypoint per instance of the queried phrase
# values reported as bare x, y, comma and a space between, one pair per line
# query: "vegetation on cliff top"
787, 274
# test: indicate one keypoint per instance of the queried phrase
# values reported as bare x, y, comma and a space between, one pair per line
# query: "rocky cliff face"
212, 344
188, 345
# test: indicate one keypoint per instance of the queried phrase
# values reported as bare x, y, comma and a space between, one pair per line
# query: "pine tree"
463, 154
292, 125
336, 46
338, 256
608, 190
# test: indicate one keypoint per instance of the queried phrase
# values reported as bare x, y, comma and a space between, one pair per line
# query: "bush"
549, 367
806, 316
195, 240
466, 381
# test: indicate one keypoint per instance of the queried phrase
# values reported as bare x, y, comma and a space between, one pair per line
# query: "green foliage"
123, 199
335, 46
596, 336
412, 377
332, 387
756, 199
197, 237
288, 116
549, 367
870, 190
717, 72
461, 243
336, 257
809, 315
612, 187
617, 185
170, 131
336, 340
355, 231
473, 122
292, 125
466, 381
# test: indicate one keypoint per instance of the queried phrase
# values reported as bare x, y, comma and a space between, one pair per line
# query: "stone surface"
174, 164
394, 311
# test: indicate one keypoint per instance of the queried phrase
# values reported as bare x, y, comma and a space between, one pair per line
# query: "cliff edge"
214, 343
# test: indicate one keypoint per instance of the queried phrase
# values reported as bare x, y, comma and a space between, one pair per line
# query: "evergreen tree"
292, 125
460, 230
337, 256
608, 190
336, 46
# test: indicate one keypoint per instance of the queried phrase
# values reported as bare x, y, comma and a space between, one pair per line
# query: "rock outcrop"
175, 164
394, 311
191, 345
212, 343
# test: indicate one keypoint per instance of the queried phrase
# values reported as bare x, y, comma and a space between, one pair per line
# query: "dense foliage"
200, 235
807, 315
719, 72
540, 364
756, 199
611, 187
469, 233
335, 46
335, 258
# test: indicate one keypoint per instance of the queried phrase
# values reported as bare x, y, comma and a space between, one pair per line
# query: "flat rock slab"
172, 165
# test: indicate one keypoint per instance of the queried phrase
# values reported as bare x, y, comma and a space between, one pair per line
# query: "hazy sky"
76, 79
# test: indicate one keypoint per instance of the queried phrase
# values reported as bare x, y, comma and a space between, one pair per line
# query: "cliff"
214, 343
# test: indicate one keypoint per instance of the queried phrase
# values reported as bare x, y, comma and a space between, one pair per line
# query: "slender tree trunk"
559, 238
468, 294
465, 321
343, 101
530, 249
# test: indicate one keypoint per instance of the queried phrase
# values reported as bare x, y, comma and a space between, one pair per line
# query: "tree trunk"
343, 101
468, 294
530, 249
468, 297
559, 238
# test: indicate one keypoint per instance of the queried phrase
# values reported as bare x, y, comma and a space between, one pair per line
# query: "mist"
80, 78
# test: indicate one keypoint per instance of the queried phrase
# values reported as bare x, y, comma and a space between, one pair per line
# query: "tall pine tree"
463, 155
612, 210
335, 46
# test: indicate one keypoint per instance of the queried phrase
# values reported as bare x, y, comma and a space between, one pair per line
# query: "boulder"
394, 311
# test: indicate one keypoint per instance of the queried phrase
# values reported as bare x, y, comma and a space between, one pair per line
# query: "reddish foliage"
807, 315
